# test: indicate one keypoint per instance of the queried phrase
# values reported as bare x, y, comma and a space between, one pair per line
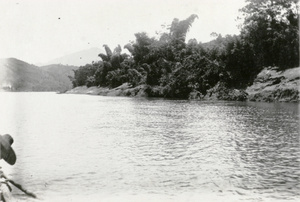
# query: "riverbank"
273, 85
123, 90
270, 85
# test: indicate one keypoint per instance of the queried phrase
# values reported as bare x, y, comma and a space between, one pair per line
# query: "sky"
38, 31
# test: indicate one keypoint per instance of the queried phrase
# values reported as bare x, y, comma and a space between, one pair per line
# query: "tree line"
170, 67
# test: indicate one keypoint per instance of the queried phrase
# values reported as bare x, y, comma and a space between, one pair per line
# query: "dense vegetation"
169, 66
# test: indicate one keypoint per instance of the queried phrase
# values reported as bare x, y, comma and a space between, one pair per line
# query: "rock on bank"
272, 85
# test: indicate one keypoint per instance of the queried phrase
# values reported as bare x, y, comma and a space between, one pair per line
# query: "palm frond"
117, 50
129, 47
107, 50
103, 57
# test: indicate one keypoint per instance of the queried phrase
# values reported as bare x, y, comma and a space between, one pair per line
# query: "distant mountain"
80, 58
17, 75
59, 69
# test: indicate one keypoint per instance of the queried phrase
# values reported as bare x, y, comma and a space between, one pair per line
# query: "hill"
59, 70
79, 58
17, 75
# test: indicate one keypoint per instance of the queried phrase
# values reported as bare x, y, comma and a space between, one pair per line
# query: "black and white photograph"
149, 101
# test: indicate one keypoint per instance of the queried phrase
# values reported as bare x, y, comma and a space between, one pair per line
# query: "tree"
271, 29
179, 29
84, 74
141, 47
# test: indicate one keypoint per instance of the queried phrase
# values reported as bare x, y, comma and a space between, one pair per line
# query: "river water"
94, 148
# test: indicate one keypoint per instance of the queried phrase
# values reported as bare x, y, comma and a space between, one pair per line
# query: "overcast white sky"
37, 31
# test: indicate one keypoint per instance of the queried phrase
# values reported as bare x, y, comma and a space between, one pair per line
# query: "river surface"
94, 148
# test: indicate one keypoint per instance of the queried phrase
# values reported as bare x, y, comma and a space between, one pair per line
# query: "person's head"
7, 153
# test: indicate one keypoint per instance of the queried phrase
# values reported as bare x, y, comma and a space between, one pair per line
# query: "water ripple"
103, 146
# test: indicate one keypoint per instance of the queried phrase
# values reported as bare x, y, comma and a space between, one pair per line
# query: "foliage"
82, 74
170, 67
271, 29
